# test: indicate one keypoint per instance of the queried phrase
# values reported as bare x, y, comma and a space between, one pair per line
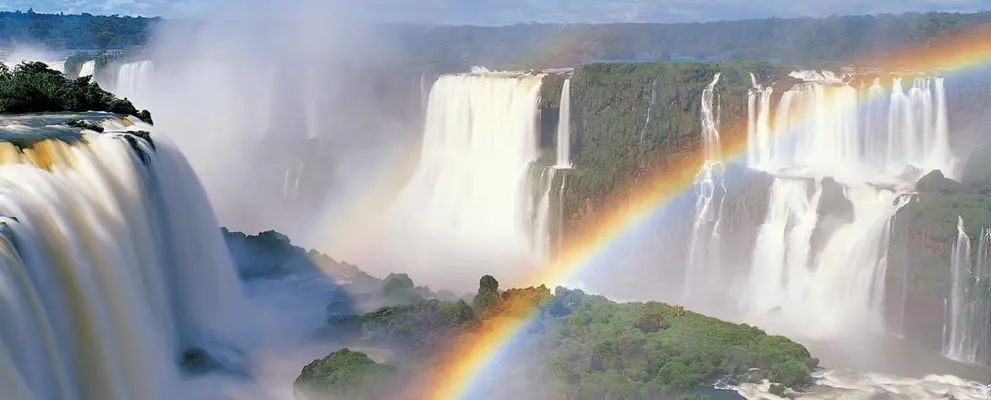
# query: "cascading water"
133, 81
968, 327
704, 256
111, 263
542, 218
470, 203
88, 69
564, 128
843, 162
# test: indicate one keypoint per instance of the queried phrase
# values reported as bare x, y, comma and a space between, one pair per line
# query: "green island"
33, 87
575, 346
588, 346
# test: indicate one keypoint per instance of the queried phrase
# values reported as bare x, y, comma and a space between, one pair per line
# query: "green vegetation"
613, 144
33, 87
580, 346
86, 31
456, 48
794, 40
922, 239
345, 374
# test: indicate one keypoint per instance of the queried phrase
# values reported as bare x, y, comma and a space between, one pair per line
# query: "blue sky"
512, 11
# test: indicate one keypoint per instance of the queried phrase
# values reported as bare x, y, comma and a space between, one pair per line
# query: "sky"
498, 12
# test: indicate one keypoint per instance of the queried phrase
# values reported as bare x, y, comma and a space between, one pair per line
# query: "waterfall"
704, 256
968, 325
817, 125
710, 123
88, 69
843, 162
133, 80
470, 203
424, 91
564, 127
542, 212
111, 263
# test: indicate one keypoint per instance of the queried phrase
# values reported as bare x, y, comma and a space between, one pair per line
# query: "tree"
487, 297
347, 374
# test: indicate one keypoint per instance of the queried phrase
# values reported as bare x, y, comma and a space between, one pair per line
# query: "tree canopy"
576, 346
34, 87
68, 31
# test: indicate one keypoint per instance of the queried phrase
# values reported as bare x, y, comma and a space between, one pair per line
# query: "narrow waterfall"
88, 69
704, 257
111, 262
968, 328
470, 203
843, 162
542, 217
564, 128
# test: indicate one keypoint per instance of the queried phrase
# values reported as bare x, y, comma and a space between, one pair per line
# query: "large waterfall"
111, 263
968, 324
470, 203
843, 161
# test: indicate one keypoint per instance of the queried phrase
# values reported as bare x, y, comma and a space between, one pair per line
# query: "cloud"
496, 12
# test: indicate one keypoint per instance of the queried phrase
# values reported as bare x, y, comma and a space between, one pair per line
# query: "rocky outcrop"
923, 234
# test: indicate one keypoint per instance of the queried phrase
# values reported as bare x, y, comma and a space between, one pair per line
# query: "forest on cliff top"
454, 48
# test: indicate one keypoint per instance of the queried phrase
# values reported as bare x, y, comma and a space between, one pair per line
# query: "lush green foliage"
599, 340
922, 239
419, 329
346, 374
613, 141
794, 40
455, 48
86, 31
580, 346
488, 295
33, 87
399, 289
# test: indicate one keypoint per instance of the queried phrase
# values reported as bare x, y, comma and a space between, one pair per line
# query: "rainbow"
464, 365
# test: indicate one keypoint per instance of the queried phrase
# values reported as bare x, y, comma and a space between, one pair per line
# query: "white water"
134, 81
818, 126
564, 127
704, 257
820, 273
969, 316
108, 269
88, 69
850, 385
542, 218
469, 205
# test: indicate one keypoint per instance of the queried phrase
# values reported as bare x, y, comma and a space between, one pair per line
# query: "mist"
280, 109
